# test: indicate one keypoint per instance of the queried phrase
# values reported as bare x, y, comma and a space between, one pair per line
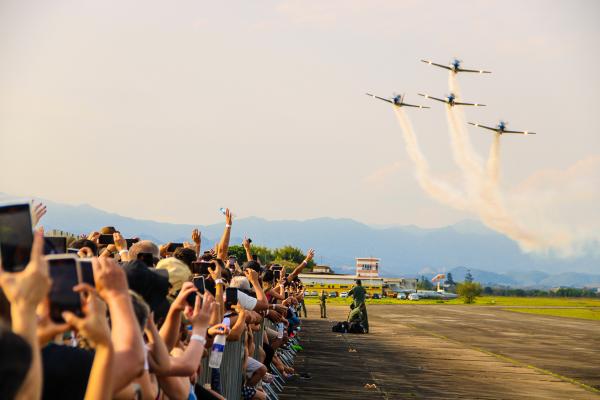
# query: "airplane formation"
454, 67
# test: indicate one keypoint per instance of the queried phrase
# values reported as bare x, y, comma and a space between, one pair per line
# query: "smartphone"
106, 239
72, 250
130, 242
232, 261
65, 274
173, 246
201, 267
199, 283
147, 258
231, 297
16, 236
87, 272
276, 275
55, 245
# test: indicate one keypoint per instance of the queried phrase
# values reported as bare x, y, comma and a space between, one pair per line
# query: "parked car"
332, 294
314, 293
414, 296
401, 296
376, 296
344, 294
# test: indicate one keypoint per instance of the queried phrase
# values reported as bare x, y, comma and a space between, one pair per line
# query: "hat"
177, 270
150, 283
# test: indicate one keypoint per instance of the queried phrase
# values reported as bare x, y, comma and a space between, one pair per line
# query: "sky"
170, 110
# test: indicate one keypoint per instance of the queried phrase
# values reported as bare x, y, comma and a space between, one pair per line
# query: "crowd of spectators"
156, 322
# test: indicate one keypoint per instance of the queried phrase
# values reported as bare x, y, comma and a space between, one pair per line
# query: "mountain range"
403, 250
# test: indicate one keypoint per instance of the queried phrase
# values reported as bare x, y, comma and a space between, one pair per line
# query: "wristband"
199, 338
227, 225
219, 281
123, 252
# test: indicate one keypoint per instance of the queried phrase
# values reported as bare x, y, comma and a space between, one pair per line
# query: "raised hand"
29, 287
228, 217
246, 243
309, 255
196, 237
94, 326
219, 329
38, 212
180, 301
110, 278
215, 272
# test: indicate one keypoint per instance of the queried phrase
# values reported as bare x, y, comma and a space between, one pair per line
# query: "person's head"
108, 230
14, 363
187, 256
81, 243
144, 246
252, 265
240, 282
358, 282
178, 272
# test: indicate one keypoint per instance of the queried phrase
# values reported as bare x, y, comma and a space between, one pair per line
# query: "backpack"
356, 327
341, 327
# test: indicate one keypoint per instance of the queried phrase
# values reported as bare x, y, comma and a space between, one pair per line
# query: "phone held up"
65, 272
16, 236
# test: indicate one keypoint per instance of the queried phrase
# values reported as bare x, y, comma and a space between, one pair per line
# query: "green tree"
450, 279
469, 291
264, 254
468, 276
239, 253
424, 283
291, 253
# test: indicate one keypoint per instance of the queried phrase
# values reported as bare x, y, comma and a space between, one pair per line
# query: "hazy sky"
168, 110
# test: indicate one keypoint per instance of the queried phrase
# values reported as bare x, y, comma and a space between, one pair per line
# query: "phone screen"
55, 245
64, 274
16, 236
276, 275
199, 283
87, 272
231, 296
130, 242
106, 239
173, 246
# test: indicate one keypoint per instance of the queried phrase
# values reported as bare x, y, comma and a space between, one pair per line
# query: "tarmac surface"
448, 352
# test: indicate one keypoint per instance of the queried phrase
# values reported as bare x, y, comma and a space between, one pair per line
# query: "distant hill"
404, 250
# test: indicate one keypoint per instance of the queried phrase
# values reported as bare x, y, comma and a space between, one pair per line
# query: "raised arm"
247, 247
25, 290
309, 256
111, 283
261, 299
224, 243
169, 331
94, 327
219, 310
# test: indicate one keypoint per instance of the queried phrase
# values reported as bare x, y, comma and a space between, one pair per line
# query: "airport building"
367, 270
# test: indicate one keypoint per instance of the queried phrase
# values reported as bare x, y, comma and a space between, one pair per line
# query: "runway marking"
510, 360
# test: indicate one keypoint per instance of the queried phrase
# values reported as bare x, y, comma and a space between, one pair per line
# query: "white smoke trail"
440, 191
483, 186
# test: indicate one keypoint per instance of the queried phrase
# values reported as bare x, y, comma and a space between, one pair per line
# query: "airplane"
454, 66
501, 128
451, 100
397, 100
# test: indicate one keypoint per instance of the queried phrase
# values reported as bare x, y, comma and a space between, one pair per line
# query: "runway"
446, 351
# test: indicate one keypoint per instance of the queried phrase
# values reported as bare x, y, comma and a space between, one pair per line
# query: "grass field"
580, 313
482, 301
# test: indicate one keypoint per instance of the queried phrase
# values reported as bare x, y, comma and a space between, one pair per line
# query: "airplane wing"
432, 98
456, 103
412, 105
380, 98
437, 65
520, 132
484, 127
478, 71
